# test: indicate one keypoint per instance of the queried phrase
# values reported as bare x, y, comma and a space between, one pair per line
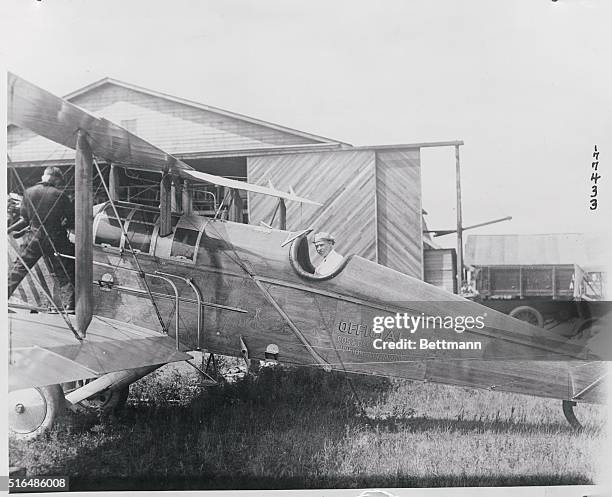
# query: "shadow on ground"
279, 430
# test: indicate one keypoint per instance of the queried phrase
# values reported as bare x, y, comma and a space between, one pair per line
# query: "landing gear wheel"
107, 403
32, 411
568, 412
528, 314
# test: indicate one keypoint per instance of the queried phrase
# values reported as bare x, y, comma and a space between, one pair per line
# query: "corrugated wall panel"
398, 195
343, 181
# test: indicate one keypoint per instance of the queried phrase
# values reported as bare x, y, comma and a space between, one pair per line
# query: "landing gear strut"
106, 403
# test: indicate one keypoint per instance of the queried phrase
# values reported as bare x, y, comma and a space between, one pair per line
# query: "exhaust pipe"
114, 381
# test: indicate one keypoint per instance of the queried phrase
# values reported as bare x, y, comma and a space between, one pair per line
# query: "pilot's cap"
54, 172
323, 236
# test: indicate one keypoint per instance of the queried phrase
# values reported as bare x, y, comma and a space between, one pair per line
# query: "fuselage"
254, 291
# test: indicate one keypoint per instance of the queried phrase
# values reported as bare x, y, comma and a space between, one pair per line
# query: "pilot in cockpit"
324, 245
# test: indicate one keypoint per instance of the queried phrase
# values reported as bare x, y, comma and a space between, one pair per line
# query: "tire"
33, 411
107, 403
528, 314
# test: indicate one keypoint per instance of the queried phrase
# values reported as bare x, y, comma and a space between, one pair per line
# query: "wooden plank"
343, 181
399, 211
440, 268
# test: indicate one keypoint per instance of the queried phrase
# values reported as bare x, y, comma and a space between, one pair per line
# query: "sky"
526, 84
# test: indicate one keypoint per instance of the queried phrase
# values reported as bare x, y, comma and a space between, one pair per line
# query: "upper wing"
241, 185
56, 119
45, 114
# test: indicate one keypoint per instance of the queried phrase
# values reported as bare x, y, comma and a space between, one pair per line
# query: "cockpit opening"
107, 229
299, 258
184, 243
141, 225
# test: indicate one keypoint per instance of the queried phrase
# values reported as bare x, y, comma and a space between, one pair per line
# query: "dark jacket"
45, 203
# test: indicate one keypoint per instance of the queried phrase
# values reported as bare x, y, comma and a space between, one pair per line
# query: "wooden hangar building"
370, 196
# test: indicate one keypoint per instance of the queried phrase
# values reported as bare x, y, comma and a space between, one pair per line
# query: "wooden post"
459, 223
187, 199
113, 182
83, 233
235, 207
165, 205
282, 214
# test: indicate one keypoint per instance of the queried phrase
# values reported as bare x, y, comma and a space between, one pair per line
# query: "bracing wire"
64, 316
42, 225
136, 261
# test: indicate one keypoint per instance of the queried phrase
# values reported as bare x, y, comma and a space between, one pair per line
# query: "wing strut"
165, 205
83, 231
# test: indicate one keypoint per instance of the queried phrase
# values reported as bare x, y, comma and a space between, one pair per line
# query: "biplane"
153, 284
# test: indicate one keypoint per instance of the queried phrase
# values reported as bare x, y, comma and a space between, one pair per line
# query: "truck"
563, 298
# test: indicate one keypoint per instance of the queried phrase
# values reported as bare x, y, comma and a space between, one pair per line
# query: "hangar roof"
176, 125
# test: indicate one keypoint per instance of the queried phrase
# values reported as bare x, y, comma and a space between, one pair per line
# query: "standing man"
324, 245
48, 213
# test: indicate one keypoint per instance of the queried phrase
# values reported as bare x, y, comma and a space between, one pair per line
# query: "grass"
304, 428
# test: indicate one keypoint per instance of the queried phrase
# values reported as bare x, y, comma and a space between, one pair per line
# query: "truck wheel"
528, 314
32, 411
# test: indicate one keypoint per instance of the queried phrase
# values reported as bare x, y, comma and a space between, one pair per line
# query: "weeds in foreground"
303, 428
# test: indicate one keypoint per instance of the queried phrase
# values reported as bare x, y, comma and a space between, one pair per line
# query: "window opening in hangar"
207, 198
143, 187
130, 125
139, 187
